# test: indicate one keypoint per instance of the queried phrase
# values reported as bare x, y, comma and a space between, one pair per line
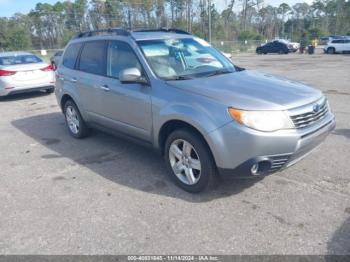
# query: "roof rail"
126, 32
164, 29
108, 31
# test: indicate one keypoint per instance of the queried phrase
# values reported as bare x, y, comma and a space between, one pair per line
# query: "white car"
292, 46
337, 46
24, 72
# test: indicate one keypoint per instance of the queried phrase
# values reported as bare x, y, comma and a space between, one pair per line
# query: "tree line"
49, 26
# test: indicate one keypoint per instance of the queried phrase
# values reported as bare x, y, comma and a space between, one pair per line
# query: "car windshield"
19, 59
181, 59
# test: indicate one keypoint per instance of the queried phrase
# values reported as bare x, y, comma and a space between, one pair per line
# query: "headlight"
262, 120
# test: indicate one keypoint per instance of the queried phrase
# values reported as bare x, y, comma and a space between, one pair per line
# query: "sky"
9, 7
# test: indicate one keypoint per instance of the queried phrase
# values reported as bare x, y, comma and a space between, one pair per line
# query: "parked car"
24, 72
325, 40
337, 46
273, 47
205, 117
54, 60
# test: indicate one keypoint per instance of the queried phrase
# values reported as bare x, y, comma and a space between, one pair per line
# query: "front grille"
313, 115
277, 162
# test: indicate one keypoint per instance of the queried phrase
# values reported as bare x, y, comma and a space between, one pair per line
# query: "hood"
251, 90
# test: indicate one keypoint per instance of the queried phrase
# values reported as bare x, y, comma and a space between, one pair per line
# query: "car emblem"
316, 108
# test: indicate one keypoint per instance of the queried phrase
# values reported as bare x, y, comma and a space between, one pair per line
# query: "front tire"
331, 50
75, 123
189, 160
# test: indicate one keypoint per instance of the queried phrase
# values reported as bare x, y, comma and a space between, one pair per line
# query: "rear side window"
93, 58
337, 41
71, 54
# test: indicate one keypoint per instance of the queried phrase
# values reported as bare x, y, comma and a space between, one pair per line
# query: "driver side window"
120, 56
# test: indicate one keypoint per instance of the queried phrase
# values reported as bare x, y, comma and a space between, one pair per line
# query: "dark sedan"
273, 47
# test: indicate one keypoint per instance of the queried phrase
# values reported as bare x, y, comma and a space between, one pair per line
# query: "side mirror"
131, 75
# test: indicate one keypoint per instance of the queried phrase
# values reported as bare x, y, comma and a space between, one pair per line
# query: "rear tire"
75, 123
50, 90
189, 160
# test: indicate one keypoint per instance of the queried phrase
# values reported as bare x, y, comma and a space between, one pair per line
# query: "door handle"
104, 87
73, 80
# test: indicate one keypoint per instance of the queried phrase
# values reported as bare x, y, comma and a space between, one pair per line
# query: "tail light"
6, 72
48, 68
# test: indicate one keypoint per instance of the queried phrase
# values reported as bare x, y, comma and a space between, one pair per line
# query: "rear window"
93, 58
71, 54
19, 59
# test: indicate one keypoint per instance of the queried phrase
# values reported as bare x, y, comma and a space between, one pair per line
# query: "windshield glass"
178, 59
19, 59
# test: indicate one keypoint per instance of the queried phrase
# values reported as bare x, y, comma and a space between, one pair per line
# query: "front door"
125, 107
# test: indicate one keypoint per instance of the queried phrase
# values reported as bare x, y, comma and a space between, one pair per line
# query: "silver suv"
175, 92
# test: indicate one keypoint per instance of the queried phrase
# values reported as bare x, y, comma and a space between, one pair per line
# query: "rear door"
66, 71
91, 66
274, 47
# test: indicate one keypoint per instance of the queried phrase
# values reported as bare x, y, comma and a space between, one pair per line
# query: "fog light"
255, 169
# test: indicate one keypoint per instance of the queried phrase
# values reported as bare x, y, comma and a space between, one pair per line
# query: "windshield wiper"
218, 72
178, 78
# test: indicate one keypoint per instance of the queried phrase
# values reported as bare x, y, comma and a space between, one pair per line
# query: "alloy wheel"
185, 162
72, 120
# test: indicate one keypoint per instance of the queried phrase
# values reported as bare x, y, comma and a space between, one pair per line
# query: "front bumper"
237, 148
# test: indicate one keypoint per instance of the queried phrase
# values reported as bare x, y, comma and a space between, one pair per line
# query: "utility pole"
209, 19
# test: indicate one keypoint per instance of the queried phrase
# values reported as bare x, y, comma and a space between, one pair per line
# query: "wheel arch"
331, 48
175, 124
64, 99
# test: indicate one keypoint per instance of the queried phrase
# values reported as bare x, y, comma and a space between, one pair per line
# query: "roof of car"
142, 34
14, 53
157, 35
